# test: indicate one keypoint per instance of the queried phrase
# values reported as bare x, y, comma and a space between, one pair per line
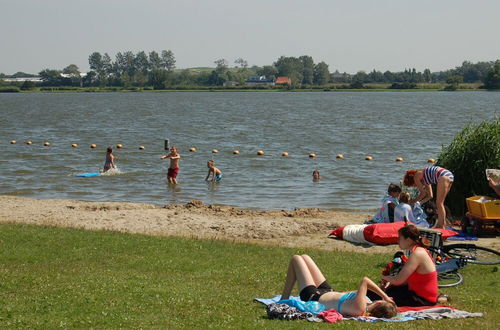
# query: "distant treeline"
157, 71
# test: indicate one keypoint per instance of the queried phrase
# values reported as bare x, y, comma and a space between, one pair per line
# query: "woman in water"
314, 287
423, 180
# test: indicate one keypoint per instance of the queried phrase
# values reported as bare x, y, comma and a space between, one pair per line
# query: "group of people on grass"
415, 285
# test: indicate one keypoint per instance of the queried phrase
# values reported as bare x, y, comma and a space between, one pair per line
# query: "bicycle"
451, 258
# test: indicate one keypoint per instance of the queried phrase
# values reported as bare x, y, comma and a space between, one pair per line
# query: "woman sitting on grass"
314, 287
416, 284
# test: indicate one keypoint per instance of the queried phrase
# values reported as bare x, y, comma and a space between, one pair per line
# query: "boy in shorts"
173, 168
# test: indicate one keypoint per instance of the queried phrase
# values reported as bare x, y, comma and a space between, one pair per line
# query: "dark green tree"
50, 77
168, 60
321, 74
492, 80
307, 69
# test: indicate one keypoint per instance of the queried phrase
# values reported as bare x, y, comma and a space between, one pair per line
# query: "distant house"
259, 81
22, 79
283, 81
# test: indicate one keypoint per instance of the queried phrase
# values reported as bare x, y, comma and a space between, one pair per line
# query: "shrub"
10, 89
403, 85
473, 150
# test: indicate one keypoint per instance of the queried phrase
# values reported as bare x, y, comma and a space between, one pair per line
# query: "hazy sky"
348, 35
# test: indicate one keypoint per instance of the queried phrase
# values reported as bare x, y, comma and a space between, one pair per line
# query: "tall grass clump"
473, 150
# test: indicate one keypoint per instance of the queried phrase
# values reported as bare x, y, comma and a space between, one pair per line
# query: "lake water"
385, 125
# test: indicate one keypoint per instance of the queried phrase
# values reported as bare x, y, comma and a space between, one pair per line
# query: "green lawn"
51, 277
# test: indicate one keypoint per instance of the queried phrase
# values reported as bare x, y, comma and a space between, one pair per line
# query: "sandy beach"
301, 228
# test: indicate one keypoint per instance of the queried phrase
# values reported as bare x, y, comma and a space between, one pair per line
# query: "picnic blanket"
405, 313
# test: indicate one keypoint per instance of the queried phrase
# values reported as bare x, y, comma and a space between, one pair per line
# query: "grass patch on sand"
53, 277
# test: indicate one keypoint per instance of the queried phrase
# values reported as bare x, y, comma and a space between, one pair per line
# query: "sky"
349, 36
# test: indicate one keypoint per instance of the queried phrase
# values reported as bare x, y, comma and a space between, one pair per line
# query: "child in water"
316, 176
389, 203
216, 173
173, 168
109, 163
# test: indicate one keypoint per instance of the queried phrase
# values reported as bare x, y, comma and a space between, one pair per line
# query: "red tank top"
424, 285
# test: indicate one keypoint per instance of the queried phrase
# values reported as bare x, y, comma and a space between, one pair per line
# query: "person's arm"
165, 156
494, 186
208, 174
425, 191
408, 269
358, 305
113, 161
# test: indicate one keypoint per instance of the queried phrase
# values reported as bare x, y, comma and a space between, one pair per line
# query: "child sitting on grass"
389, 203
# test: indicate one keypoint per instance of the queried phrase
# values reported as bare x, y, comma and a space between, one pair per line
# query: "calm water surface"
384, 125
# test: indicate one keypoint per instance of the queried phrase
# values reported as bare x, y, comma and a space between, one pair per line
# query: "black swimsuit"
313, 293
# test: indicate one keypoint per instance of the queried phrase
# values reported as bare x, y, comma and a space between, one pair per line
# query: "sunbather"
314, 287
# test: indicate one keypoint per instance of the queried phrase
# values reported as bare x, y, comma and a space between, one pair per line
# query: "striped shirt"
431, 174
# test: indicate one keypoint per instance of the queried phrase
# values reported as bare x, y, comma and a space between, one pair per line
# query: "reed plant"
475, 149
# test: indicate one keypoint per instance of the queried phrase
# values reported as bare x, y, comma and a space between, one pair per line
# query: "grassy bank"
52, 277
327, 88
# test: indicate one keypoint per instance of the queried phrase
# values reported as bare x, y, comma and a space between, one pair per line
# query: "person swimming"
109, 163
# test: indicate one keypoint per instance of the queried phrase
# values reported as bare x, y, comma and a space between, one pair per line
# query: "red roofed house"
283, 81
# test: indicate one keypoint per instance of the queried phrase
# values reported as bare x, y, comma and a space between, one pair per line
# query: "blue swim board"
88, 175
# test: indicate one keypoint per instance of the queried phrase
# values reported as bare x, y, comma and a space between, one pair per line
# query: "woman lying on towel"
314, 287
416, 284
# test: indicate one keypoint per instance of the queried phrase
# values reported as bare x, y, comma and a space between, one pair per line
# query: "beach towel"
405, 313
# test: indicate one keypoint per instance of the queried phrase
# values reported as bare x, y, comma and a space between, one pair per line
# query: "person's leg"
297, 271
316, 273
443, 187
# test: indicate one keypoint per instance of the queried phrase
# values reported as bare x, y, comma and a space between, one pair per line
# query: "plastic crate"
484, 207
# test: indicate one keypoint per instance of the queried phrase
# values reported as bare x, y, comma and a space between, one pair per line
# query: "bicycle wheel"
447, 280
474, 254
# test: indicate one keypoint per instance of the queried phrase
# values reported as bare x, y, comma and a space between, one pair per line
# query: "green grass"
52, 277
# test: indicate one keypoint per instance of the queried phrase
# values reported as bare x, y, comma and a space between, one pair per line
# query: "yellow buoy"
13, 142
431, 160
93, 146
141, 147
368, 158
74, 145
313, 155
214, 151
340, 156
119, 146
46, 143
192, 149
260, 152
29, 142
399, 159
236, 152
284, 154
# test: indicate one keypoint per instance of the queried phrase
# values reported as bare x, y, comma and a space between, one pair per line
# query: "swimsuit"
348, 296
431, 174
218, 177
172, 172
424, 285
312, 293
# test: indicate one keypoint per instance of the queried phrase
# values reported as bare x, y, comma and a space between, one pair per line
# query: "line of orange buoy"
235, 152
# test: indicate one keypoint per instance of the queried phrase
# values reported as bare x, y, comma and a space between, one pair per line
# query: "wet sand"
301, 228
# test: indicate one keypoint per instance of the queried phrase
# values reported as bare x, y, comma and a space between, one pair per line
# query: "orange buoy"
13, 142
141, 147
93, 145
399, 159
284, 154
74, 145
313, 155
431, 160
214, 151
46, 143
236, 152
340, 156
260, 152
192, 149
368, 158
119, 146
29, 142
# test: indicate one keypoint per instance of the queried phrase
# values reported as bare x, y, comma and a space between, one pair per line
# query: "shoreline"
298, 228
